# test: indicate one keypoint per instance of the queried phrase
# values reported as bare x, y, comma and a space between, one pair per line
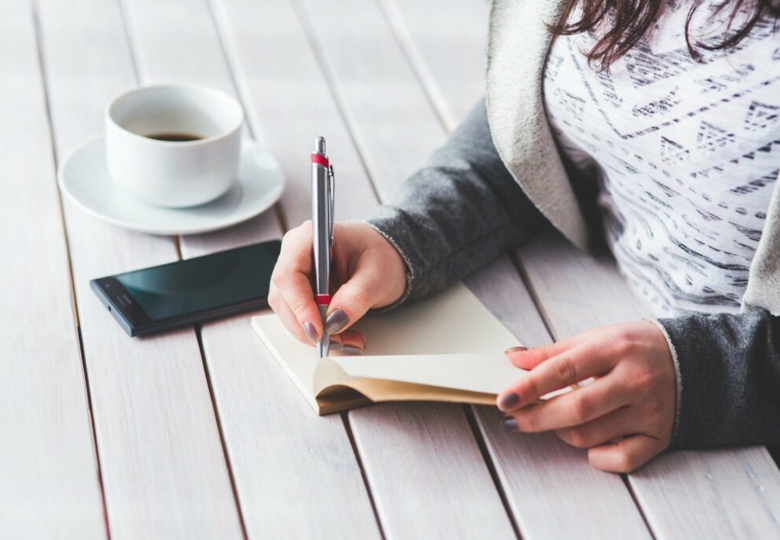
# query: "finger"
521, 359
295, 254
593, 401
526, 358
353, 339
625, 455
353, 299
295, 288
588, 359
288, 319
619, 423
291, 278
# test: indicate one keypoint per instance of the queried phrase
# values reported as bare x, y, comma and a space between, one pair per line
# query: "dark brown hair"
622, 23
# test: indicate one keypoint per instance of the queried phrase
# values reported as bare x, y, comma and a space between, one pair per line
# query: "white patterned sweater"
686, 153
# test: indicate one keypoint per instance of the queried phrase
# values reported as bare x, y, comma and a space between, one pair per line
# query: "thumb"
351, 301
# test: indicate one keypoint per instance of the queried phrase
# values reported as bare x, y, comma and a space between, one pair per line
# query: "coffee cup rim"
196, 87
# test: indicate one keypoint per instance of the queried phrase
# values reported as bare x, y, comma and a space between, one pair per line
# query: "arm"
457, 213
728, 378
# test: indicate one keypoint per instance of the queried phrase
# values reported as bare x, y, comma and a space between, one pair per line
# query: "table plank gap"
356, 450
254, 133
72, 293
630, 489
225, 452
47, 107
248, 126
133, 47
304, 104
405, 44
106, 522
427, 34
482, 444
543, 315
329, 77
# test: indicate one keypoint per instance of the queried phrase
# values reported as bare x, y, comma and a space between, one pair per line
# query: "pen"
322, 204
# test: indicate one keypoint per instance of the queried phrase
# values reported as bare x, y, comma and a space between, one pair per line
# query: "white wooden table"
199, 434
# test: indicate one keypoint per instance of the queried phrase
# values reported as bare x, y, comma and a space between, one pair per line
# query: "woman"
651, 124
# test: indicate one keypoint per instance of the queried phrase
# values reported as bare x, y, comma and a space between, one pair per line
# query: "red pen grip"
320, 160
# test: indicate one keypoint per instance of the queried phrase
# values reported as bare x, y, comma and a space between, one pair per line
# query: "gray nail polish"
519, 348
311, 332
509, 401
351, 350
335, 346
509, 423
336, 321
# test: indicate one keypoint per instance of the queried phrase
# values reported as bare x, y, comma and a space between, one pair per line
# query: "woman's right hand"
366, 272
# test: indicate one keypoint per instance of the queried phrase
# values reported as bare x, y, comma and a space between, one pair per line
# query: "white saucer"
84, 179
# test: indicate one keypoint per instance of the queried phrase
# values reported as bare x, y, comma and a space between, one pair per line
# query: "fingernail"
509, 401
519, 348
351, 350
335, 346
509, 423
336, 321
311, 332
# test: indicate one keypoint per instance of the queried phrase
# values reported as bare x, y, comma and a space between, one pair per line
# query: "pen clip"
331, 201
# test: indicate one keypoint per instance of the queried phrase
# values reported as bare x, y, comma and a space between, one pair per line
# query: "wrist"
677, 376
405, 275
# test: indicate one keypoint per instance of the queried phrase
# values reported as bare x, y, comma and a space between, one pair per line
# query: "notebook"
448, 347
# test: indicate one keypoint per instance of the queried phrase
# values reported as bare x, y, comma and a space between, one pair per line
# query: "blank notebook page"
452, 322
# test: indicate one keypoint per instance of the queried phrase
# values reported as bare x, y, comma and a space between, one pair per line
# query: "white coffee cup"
173, 173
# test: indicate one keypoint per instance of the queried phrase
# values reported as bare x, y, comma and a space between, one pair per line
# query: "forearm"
729, 369
458, 212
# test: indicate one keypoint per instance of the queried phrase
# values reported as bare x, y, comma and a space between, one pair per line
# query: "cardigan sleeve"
729, 378
458, 212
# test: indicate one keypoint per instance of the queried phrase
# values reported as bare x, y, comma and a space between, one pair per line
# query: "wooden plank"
724, 493
426, 472
451, 481
50, 482
375, 87
284, 458
572, 287
164, 471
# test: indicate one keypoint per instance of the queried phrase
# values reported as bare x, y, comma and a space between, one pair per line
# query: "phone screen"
200, 285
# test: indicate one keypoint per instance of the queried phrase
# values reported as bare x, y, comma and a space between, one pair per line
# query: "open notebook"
445, 348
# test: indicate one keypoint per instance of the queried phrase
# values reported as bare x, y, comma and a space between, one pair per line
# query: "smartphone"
183, 293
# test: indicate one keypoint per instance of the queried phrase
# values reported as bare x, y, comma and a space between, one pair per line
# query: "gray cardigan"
500, 178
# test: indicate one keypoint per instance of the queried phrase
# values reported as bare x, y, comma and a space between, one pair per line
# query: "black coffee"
175, 137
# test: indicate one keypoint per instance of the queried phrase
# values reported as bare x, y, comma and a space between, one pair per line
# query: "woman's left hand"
624, 417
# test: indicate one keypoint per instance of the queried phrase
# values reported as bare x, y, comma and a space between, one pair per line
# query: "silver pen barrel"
320, 211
